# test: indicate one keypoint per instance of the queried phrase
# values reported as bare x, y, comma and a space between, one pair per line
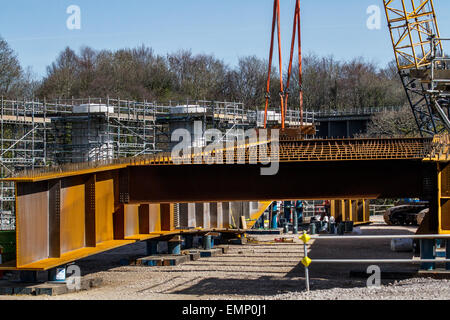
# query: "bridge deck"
289, 151
78, 210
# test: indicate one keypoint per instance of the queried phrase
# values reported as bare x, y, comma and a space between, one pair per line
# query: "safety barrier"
306, 261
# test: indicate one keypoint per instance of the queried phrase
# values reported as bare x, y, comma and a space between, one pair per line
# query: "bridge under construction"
69, 213
111, 185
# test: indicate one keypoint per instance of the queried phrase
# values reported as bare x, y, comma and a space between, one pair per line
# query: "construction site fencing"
307, 261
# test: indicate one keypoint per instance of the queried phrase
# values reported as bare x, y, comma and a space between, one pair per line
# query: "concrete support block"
163, 260
208, 253
194, 255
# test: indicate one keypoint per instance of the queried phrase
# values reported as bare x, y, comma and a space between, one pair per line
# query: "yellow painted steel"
441, 149
46, 264
411, 24
348, 210
131, 216
262, 206
53, 173
443, 205
72, 218
104, 210
155, 218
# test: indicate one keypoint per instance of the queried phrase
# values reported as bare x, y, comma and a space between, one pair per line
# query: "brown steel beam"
307, 180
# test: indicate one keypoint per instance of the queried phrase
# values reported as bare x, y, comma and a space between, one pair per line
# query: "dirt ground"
257, 271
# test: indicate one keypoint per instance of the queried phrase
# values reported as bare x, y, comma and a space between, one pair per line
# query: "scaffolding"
24, 125
36, 134
85, 130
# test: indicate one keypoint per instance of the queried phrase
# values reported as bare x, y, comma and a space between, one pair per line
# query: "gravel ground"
257, 271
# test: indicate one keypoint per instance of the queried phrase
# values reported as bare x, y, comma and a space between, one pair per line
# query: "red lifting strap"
276, 20
296, 31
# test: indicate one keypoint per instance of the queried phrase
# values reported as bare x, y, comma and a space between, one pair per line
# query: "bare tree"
10, 70
393, 124
198, 76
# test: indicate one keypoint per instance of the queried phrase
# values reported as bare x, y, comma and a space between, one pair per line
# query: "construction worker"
275, 207
287, 211
299, 211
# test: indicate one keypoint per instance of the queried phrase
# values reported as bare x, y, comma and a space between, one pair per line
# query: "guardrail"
356, 111
306, 261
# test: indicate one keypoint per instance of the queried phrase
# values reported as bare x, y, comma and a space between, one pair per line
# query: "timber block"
163, 260
47, 288
208, 253
194, 256
225, 248
265, 232
238, 241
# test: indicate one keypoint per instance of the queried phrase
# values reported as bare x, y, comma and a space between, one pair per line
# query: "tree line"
141, 74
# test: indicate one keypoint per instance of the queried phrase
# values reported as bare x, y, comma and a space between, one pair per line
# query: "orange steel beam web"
275, 22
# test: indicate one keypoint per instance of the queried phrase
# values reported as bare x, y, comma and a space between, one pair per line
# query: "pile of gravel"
411, 289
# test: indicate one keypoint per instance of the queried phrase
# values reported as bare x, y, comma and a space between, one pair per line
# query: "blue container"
174, 247
207, 242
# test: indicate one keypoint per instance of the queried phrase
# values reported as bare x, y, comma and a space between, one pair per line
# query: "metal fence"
308, 261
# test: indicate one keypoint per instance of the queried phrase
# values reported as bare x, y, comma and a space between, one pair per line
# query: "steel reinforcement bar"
286, 151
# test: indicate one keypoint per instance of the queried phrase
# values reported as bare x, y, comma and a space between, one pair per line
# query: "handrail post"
427, 251
447, 254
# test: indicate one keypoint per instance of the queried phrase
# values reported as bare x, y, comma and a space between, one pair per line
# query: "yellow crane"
421, 62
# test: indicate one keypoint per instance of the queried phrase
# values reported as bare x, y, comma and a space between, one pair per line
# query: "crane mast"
421, 62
